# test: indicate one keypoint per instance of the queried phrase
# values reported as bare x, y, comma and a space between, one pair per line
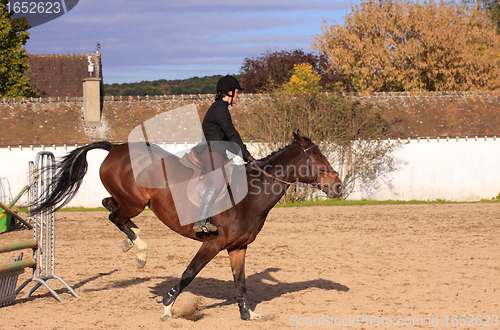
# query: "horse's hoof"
167, 310
140, 262
127, 245
257, 317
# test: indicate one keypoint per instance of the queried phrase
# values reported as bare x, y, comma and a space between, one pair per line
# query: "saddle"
198, 182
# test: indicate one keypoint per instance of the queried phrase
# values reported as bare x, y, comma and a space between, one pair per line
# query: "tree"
13, 58
303, 81
398, 45
273, 69
490, 7
194, 85
350, 134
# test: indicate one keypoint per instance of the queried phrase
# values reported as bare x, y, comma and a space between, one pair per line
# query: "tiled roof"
48, 121
439, 114
61, 75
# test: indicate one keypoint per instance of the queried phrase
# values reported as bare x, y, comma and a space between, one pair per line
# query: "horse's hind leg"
122, 221
111, 205
133, 237
237, 259
206, 253
127, 243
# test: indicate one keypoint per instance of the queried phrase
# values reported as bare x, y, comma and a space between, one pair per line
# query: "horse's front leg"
206, 253
237, 259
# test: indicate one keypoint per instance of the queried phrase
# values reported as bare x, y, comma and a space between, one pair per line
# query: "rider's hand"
250, 159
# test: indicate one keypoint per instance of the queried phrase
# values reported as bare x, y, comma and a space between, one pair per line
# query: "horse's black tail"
69, 173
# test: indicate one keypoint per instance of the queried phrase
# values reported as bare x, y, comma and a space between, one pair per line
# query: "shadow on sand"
261, 287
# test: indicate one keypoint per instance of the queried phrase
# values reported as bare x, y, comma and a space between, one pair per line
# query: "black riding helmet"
227, 84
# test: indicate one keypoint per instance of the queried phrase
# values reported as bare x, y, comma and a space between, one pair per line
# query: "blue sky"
179, 39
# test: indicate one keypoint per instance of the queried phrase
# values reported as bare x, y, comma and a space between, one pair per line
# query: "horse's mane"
274, 153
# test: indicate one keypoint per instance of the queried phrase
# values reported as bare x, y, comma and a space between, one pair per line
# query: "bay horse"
267, 181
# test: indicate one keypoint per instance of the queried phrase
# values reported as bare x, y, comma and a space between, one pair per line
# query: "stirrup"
204, 226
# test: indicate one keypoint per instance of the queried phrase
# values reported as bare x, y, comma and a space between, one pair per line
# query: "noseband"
315, 185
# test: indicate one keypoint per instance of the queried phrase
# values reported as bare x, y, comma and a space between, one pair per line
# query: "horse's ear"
298, 134
299, 138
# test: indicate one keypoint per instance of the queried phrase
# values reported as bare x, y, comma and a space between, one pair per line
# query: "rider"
217, 127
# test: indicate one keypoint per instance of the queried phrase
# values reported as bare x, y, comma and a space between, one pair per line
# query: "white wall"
14, 172
455, 170
464, 169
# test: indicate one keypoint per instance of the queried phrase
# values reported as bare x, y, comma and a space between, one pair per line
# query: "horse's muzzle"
335, 191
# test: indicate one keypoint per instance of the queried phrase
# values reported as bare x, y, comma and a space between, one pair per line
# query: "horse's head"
318, 170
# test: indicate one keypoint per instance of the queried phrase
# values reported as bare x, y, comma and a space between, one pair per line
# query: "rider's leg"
214, 165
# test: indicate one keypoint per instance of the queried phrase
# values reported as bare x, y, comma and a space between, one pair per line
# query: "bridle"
315, 185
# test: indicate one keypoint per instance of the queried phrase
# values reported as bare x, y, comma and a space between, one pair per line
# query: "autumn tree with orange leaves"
399, 45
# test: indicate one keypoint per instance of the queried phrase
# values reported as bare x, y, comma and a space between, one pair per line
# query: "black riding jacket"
218, 126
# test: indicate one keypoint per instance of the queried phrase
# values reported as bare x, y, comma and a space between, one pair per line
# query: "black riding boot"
207, 202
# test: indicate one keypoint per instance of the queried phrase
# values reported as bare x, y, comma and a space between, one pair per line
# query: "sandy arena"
359, 267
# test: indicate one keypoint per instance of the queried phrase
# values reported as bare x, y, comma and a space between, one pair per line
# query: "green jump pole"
5, 268
14, 201
31, 244
15, 215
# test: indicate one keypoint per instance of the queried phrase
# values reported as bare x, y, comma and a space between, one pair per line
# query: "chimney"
92, 97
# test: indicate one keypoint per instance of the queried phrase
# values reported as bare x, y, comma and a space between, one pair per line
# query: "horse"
238, 226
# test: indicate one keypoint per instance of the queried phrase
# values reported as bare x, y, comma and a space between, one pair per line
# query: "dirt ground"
360, 267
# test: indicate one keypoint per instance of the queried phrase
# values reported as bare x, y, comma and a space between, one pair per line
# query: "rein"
315, 185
